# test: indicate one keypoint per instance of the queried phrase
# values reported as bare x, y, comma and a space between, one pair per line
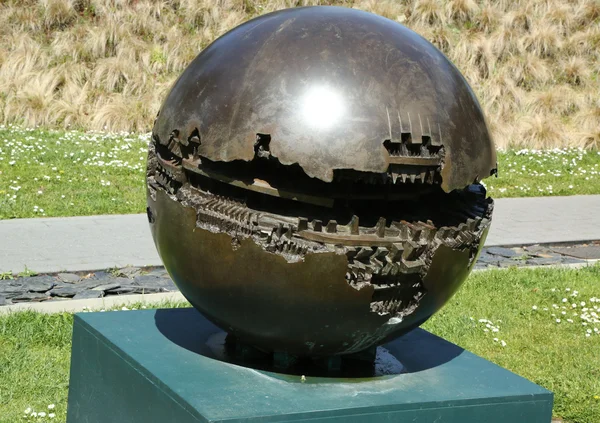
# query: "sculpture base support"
159, 366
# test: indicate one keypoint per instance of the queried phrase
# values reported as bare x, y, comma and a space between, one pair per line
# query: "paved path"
76, 243
519, 221
100, 242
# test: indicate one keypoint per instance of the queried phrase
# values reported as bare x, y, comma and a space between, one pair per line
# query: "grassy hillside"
107, 64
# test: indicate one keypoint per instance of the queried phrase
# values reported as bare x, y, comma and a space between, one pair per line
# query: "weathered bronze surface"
313, 181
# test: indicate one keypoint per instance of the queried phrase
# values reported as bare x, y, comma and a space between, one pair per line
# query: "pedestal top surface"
169, 348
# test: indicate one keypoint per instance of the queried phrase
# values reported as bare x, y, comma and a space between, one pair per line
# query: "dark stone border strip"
84, 285
149, 280
537, 255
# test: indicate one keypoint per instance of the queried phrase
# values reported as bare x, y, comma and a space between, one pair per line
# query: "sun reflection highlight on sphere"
322, 107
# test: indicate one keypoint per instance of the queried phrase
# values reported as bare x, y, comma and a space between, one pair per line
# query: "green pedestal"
155, 366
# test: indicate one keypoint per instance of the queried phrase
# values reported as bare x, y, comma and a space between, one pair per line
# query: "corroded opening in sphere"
313, 181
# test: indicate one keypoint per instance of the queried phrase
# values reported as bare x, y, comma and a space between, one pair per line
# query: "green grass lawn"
534, 173
35, 353
552, 349
493, 315
58, 173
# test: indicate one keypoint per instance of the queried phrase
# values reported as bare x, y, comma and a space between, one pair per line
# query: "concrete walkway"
76, 243
100, 242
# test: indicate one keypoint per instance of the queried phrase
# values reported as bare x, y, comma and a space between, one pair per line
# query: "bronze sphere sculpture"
313, 181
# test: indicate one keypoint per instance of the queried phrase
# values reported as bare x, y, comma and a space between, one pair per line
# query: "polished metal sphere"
313, 181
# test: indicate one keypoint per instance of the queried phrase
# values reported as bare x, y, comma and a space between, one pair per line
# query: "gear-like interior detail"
388, 231
418, 162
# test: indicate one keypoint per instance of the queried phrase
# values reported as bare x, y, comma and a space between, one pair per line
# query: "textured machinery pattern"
313, 181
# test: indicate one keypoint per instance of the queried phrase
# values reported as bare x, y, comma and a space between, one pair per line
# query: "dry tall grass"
107, 64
